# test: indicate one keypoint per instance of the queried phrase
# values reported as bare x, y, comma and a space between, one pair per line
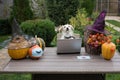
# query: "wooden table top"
52, 63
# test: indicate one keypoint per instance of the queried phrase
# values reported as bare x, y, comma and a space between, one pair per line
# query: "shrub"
5, 27
41, 28
89, 5
80, 21
94, 15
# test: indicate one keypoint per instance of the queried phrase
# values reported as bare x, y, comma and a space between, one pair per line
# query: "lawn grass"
113, 77
16, 76
3, 37
114, 22
19, 76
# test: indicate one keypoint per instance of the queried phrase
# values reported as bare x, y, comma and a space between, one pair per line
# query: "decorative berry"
96, 40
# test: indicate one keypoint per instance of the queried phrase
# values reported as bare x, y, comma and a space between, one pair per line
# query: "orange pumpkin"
35, 52
18, 47
108, 50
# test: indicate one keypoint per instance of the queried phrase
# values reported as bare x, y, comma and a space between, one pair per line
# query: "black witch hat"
16, 30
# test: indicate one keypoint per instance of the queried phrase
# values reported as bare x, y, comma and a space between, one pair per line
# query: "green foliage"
41, 28
3, 37
80, 21
21, 10
94, 15
118, 48
5, 27
115, 38
60, 11
114, 22
111, 30
54, 41
112, 76
115, 35
15, 76
89, 5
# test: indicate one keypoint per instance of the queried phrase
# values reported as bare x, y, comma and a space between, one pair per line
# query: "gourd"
37, 49
108, 50
40, 42
35, 52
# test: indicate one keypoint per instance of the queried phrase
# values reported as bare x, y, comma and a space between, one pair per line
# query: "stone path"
117, 18
4, 58
5, 43
113, 26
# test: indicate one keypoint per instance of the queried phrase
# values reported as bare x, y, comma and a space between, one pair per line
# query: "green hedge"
42, 28
5, 27
89, 5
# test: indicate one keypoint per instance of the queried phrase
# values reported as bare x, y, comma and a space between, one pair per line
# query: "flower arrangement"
96, 40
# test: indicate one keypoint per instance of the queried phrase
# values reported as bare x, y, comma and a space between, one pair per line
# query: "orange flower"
110, 37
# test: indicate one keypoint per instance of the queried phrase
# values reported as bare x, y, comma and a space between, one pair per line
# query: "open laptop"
69, 45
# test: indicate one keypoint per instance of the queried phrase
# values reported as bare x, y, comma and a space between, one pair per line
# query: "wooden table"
65, 66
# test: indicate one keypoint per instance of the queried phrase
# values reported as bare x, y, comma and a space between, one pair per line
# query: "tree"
21, 10
60, 11
39, 8
89, 5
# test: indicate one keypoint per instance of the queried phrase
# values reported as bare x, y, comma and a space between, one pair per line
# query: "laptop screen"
69, 45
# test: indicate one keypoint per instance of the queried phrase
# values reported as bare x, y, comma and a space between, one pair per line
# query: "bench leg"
68, 76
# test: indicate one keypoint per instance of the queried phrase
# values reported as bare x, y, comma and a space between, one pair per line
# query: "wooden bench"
65, 67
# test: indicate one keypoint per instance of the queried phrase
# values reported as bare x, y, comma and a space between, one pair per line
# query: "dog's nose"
67, 29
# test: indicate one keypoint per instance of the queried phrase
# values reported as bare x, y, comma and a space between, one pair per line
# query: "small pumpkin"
35, 52
18, 47
40, 42
108, 50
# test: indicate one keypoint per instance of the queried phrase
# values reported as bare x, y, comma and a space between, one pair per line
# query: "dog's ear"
60, 29
72, 27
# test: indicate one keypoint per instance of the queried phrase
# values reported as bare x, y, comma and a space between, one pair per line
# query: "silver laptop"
69, 45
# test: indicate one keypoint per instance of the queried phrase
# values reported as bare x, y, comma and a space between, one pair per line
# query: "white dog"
66, 31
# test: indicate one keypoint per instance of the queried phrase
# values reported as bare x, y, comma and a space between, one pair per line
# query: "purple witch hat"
99, 23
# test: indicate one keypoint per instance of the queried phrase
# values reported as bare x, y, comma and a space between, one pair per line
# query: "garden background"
42, 17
